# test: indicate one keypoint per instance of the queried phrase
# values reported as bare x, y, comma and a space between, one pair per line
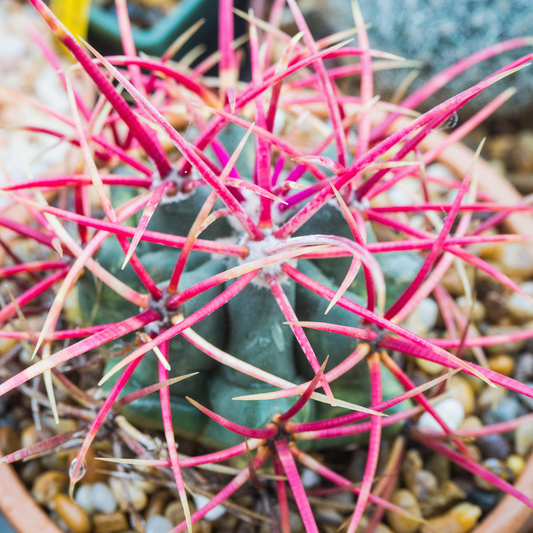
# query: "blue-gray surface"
438, 32
4, 526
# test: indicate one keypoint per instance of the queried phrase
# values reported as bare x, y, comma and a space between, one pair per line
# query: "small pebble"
55, 461
466, 484
174, 512
484, 499
526, 400
103, 498
406, 500
450, 410
423, 319
29, 471
440, 466
521, 308
158, 524
495, 306
508, 347
452, 282
503, 364
523, 439
507, 408
110, 523
489, 397
157, 503
523, 370
213, 514
495, 445
29, 436
429, 367
477, 313
73, 515
475, 452
516, 260
137, 496
471, 422
310, 478
461, 390
498, 468
412, 464
516, 463
460, 519
363, 526
84, 497
449, 493
425, 485
48, 485
7, 344
9, 440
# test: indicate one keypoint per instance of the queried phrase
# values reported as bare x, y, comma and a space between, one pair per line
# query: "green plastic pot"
105, 36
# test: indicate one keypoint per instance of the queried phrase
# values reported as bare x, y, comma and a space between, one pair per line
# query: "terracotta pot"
18, 506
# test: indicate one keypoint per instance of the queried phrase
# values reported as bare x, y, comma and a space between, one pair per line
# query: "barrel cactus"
260, 261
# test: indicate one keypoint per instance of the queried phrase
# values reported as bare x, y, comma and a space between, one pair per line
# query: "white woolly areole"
256, 249
178, 180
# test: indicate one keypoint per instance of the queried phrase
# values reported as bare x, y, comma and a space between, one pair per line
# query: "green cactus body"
249, 327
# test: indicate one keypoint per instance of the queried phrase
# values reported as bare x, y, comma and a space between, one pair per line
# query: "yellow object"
74, 14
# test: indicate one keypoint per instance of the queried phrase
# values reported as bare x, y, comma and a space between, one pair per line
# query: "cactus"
249, 265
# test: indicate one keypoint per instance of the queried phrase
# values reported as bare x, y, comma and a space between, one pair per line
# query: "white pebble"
520, 307
103, 498
423, 319
523, 439
398, 196
84, 497
310, 478
158, 524
438, 170
450, 410
213, 514
137, 495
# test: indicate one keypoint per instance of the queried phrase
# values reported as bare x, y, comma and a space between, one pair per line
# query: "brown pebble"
475, 452
29, 471
363, 526
495, 306
9, 440
440, 466
449, 493
174, 512
451, 281
110, 523
425, 485
503, 364
157, 503
406, 500
73, 515
508, 347
461, 390
498, 468
48, 485
29, 436
459, 519
412, 463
